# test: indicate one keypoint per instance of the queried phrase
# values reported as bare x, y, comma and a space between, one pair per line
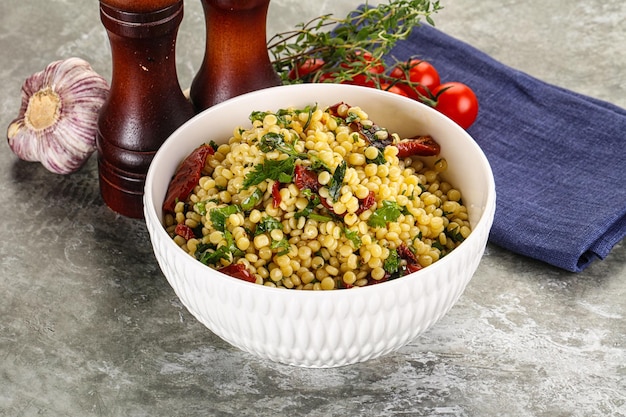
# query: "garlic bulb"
58, 118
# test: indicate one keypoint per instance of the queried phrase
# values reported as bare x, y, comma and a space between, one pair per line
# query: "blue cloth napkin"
558, 157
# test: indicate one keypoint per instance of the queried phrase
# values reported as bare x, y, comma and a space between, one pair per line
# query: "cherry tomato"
457, 101
362, 80
394, 88
421, 73
375, 68
326, 77
302, 70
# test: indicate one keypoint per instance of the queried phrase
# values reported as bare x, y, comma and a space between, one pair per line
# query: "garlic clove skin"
58, 119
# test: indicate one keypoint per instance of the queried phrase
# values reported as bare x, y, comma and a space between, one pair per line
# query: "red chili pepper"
186, 177
276, 198
418, 146
185, 231
238, 271
305, 178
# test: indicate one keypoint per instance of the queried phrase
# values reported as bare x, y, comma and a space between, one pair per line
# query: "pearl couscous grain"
303, 199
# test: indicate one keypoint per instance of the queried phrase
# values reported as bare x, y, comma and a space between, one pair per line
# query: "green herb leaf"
269, 170
379, 160
218, 216
336, 182
353, 236
272, 141
317, 164
210, 255
351, 117
455, 234
277, 170
252, 200
267, 224
231, 245
282, 116
314, 200
319, 218
282, 244
389, 212
309, 110
285, 178
276, 141
392, 263
257, 116
436, 244
200, 208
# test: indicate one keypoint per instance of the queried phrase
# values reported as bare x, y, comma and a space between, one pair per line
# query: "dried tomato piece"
370, 135
184, 231
276, 198
372, 281
405, 253
418, 146
333, 110
329, 206
366, 203
305, 178
186, 177
238, 271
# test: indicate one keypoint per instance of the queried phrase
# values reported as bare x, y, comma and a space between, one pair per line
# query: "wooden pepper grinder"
145, 103
236, 59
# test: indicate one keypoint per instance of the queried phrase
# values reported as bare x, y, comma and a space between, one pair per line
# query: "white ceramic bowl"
324, 328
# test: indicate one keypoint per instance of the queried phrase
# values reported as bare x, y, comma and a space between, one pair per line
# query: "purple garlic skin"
58, 118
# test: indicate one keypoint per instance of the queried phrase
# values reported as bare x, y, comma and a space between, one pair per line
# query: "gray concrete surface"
89, 326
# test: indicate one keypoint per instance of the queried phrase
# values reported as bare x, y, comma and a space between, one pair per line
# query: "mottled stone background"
90, 327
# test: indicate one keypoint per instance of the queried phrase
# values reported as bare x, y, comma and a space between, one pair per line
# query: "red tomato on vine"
309, 66
375, 68
421, 74
457, 101
394, 88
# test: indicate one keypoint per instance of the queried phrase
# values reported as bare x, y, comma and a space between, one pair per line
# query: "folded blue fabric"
558, 157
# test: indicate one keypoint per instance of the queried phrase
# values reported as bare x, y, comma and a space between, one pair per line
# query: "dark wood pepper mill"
145, 104
236, 59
